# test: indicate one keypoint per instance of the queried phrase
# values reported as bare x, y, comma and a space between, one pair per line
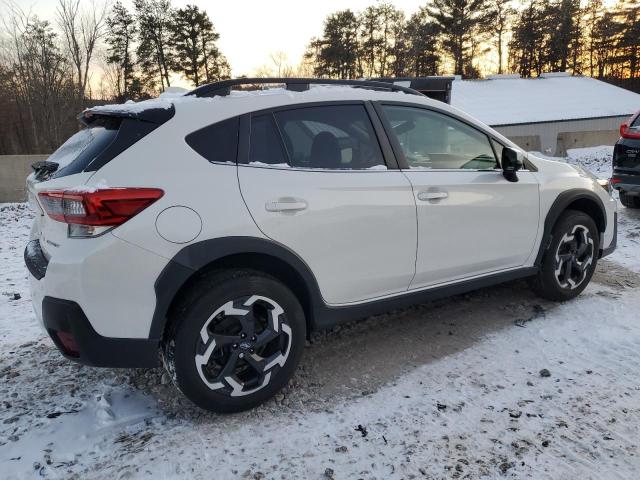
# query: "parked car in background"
626, 163
219, 228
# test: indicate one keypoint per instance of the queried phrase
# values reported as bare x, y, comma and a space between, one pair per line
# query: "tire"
570, 260
235, 340
629, 201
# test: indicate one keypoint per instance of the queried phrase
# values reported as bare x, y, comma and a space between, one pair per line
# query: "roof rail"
223, 87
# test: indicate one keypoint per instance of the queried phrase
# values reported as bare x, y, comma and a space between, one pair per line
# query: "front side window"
330, 137
431, 140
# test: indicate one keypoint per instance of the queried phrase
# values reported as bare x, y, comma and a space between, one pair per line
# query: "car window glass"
217, 142
431, 140
636, 122
265, 146
330, 137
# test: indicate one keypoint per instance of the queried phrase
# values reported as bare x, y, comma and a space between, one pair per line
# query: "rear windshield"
82, 148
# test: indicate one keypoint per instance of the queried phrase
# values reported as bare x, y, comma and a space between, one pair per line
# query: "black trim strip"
331, 316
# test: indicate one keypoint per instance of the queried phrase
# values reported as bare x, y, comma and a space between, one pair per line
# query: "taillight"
103, 207
627, 131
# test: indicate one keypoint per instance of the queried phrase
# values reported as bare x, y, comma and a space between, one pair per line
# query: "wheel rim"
242, 344
574, 257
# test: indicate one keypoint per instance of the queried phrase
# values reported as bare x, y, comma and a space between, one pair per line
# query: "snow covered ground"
495, 384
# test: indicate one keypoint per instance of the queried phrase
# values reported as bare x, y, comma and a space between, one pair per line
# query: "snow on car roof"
176, 96
510, 100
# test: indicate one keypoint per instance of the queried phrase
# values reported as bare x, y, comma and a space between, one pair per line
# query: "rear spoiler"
156, 115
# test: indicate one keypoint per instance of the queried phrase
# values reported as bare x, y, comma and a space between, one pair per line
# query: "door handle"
428, 196
286, 205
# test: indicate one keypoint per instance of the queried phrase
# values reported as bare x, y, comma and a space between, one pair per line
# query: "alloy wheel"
241, 344
574, 256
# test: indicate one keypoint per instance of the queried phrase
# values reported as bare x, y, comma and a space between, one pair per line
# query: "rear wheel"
629, 201
235, 340
568, 264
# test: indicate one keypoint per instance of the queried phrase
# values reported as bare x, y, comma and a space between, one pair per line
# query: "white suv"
220, 227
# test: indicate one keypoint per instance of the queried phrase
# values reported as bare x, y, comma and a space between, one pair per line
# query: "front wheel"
236, 339
568, 264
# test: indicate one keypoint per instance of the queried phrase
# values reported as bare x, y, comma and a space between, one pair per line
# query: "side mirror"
511, 163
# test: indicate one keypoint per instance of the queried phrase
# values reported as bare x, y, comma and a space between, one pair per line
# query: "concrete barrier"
14, 170
568, 140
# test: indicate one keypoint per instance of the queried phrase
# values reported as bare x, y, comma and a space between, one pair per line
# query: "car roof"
192, 112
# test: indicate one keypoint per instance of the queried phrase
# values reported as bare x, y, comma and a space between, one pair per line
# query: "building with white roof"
551, 113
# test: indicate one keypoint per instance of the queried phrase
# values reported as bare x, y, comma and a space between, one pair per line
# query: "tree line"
50, 70
467, 37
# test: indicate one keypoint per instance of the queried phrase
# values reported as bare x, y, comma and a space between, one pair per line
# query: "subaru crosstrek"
213, 231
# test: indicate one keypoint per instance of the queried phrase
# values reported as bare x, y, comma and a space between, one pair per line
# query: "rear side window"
265, 147
330, 137
217, 142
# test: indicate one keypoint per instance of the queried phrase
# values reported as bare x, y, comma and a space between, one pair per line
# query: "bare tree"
38, 78
82, 29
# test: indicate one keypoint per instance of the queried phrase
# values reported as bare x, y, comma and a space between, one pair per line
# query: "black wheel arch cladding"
233, 252
576, 199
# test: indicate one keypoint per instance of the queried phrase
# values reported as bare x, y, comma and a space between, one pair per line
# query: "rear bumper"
626, 183
97, 296
89, 347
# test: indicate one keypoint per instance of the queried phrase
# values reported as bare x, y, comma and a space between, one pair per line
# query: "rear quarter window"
218, 142
636, 122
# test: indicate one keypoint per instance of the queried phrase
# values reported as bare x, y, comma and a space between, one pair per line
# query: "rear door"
315, 180
471, 220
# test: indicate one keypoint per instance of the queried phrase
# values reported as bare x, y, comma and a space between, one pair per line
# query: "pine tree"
391, 26
562, 20
197, 57
460, 22
154, 52
336, 52
369, 40
502, 13
421, 40
593, 13
527, 41
122, 31
629, 43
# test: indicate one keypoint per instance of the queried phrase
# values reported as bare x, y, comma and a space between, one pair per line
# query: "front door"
315, 180
471, 220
